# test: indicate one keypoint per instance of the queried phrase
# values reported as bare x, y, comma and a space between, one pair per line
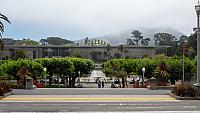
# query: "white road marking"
148, 107
189, 107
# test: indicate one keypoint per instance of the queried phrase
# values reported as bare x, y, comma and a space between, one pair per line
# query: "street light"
197, 8
79, 73
143, 71
184, 49
45, 69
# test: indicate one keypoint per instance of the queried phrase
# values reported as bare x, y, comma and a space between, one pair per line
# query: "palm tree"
121, 49
22, 74
3, 17
162, 72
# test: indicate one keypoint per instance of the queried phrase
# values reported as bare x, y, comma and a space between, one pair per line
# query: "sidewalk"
71, 98
89, 91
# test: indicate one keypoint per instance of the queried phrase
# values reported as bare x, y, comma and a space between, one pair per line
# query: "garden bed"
4, 89
184, 91
5, 95
183, 98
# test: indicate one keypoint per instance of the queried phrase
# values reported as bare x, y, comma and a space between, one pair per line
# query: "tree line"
161, 67
64, 68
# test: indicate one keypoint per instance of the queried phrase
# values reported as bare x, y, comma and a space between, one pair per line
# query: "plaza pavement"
89, 91
86, 98
88, 94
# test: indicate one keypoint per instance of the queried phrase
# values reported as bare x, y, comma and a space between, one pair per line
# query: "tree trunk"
70, 81
73, 81
123, 83
126, 83
119, 83
24, 82
67, 81
58, 80
50, 80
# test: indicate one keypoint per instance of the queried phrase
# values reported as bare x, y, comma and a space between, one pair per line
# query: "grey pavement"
187, 106
89, 91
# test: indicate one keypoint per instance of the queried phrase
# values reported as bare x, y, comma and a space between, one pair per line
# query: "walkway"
89, 91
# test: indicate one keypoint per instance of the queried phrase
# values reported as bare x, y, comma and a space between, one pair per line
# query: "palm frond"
1, 27
4, 18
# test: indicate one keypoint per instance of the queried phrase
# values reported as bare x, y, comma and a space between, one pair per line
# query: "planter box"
183, 98
5, 95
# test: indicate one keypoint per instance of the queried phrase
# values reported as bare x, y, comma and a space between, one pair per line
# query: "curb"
5, 95
183, 98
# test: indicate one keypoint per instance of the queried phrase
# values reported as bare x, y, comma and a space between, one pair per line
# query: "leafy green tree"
175, 68
13, 68
115, 67
161, 67
26, 42
148, 64
69, 67
9, 41
81, 66
165, 39
192, 41
2, 17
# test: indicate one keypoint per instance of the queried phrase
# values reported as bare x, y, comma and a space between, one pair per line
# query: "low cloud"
97, 17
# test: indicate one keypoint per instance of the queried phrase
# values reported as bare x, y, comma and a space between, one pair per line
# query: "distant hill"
58, 41
118, 38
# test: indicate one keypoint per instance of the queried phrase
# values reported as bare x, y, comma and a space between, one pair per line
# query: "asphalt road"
63, 103
175, 105
89, 91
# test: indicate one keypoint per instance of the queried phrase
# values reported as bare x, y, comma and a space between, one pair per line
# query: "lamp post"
143, 71
79, 73
45, 69
184, 49
197, 8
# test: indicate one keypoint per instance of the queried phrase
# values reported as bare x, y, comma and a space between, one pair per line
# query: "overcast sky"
76, 19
